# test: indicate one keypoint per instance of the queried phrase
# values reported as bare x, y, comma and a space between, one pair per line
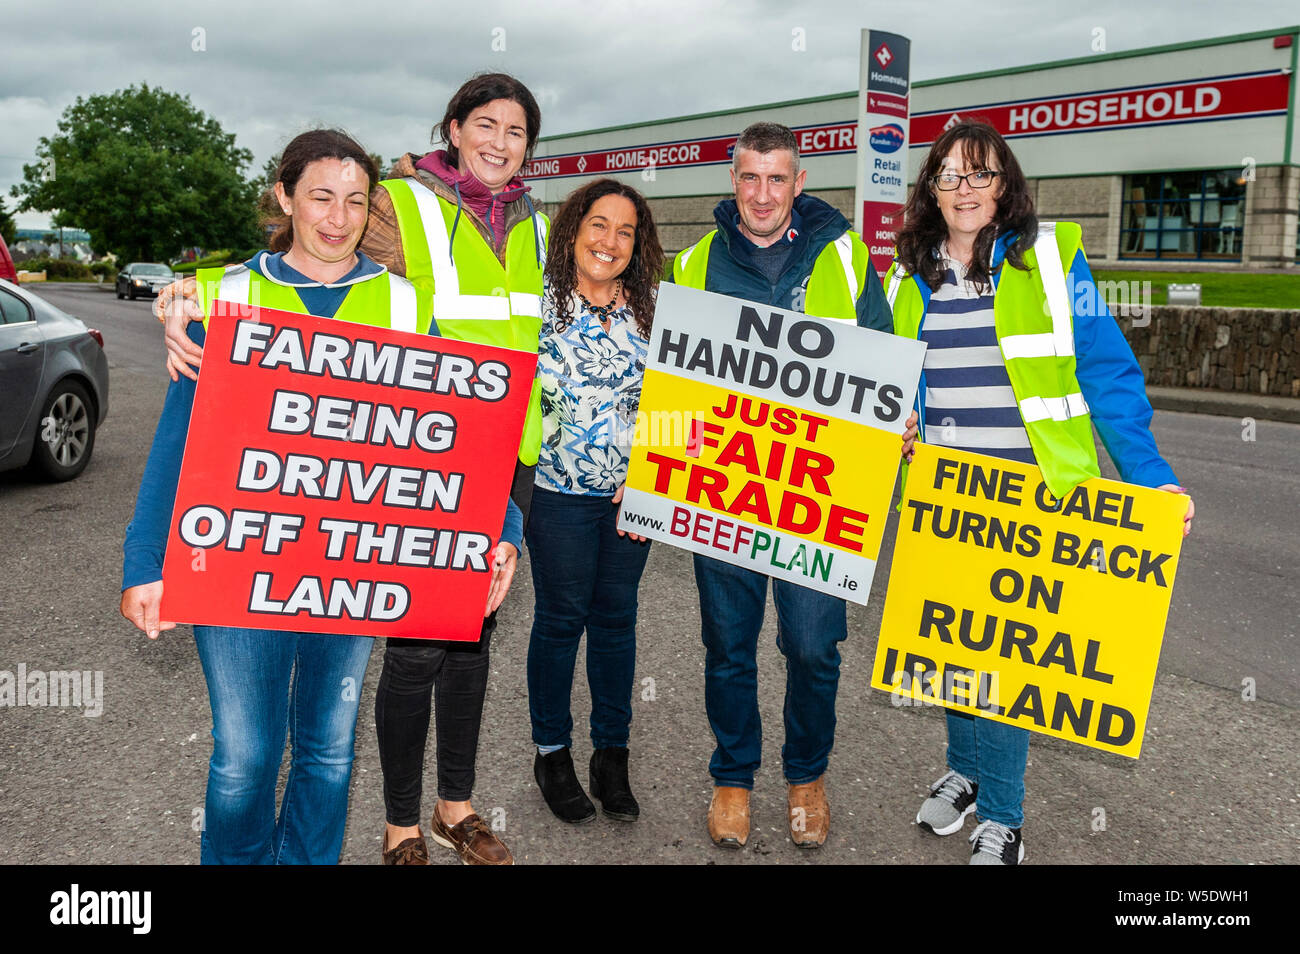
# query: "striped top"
969, 403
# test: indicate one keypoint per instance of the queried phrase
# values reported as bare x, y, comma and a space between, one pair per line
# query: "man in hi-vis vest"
792, 251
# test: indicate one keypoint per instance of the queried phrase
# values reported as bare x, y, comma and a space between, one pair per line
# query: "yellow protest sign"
1010, 604
786, 460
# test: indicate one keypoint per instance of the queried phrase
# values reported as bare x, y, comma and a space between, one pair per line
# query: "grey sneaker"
996, 845
952, 799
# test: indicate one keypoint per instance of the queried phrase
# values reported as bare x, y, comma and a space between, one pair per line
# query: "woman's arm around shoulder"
382, 240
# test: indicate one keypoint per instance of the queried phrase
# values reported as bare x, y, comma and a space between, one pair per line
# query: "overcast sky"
266, 71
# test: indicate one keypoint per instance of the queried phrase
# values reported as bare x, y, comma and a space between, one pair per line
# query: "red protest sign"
343, 478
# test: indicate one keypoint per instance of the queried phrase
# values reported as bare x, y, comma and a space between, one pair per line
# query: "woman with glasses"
966, 280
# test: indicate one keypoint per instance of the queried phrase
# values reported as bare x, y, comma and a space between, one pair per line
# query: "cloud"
385, 72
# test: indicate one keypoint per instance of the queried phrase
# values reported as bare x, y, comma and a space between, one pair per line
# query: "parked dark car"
142, 278
53, 386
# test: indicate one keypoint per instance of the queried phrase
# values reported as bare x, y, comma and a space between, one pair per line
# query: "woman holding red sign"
260, 682
1023, 360
458, 222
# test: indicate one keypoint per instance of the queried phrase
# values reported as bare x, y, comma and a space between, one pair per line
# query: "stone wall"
1251, 350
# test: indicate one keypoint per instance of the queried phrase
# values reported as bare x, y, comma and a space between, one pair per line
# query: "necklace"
602, 311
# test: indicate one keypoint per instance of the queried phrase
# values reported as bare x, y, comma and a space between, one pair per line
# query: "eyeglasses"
950, 181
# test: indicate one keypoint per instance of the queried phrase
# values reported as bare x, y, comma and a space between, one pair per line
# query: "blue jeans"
585, 576
810, 627
260, 684
993, 755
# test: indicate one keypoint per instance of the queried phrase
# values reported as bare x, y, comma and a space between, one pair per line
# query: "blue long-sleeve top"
1113, 385
1109, 376
146, 534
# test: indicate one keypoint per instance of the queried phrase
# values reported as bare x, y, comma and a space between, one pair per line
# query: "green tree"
266, 178
261, 185
8, 226
146, 173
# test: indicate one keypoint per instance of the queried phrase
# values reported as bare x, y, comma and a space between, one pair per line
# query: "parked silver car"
142, 278
53, 386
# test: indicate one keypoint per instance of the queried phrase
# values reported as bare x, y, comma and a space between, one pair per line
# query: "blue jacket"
1109, 376
736, 275
146, 534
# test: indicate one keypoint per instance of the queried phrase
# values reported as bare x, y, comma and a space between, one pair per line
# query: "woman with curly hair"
602, 274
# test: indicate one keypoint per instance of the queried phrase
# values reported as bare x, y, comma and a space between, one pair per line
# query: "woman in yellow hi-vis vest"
459, 224
261, 681
1023, 360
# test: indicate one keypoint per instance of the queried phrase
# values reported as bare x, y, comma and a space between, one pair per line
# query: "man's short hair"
766, 137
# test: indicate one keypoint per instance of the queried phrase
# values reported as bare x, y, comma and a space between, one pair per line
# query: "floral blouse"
591, 386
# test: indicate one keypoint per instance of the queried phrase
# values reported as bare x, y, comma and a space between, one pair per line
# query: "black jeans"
455, 675
585, 577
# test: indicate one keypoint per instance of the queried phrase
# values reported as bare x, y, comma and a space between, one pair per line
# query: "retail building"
1180, 154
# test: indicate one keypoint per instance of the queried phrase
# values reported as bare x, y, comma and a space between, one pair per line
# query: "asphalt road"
1216, 781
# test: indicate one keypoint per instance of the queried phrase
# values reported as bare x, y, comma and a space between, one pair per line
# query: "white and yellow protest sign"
1010, 604
787, 458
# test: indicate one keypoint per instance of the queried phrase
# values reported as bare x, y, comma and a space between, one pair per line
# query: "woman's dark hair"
923, 225
641, 277
479, 91
301, 151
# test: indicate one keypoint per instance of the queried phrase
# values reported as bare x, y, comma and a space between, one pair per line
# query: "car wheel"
67, 432
130, 293
118, 289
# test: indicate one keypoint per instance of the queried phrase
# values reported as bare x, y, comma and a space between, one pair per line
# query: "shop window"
1188, 215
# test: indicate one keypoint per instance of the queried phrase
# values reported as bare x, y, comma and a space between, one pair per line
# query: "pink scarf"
477, 197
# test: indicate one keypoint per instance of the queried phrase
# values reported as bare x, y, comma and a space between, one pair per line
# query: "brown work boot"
472, 840
810, 814
412, 851
729, 816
